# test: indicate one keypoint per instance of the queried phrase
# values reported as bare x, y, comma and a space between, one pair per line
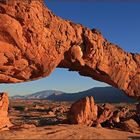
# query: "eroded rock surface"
117, 115
4, 120
34, 41
130, 126
83, 112
104, 114
86, 112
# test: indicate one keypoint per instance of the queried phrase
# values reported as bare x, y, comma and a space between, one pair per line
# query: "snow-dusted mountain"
100, 94
43, 94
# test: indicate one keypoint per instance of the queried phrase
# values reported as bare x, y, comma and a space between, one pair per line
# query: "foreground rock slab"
67, 132
4, 120
34, 41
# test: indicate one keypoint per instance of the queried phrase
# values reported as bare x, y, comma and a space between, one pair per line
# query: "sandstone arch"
33, 42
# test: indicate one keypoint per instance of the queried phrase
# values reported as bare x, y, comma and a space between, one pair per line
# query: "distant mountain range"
100, 94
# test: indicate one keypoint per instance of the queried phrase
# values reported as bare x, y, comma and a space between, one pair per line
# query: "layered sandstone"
34, 41
4, 120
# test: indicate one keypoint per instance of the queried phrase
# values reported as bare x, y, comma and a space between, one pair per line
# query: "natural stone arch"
33, 42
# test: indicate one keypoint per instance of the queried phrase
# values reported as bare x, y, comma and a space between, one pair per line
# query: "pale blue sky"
118, 21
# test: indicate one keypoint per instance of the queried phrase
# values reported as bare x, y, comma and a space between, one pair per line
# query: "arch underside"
34, 41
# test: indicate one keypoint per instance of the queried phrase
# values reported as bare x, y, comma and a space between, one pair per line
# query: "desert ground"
42, 119
67, 132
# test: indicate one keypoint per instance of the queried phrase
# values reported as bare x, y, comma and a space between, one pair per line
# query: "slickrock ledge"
34, 41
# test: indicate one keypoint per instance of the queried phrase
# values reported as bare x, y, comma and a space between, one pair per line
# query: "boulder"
104, 114
59, 109
117, 116
4, 120
51, 113
27, 126
83, 112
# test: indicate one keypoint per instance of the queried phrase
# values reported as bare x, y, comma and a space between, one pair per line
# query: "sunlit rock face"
4, 120
83, 112
34, 41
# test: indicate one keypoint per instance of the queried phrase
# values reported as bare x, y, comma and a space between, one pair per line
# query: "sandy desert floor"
43, 119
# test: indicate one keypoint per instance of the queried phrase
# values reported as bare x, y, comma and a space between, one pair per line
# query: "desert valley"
82, 119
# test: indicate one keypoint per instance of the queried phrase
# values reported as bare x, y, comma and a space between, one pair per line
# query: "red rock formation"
83, 112
130, 126
117, 115
33, 42
104, 114
4, 102
138, 108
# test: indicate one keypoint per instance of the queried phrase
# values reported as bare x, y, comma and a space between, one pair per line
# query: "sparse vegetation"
20, 108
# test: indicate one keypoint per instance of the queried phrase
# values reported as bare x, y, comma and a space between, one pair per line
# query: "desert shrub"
20, 108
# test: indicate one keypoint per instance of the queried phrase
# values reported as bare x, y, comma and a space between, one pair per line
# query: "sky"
119, 22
